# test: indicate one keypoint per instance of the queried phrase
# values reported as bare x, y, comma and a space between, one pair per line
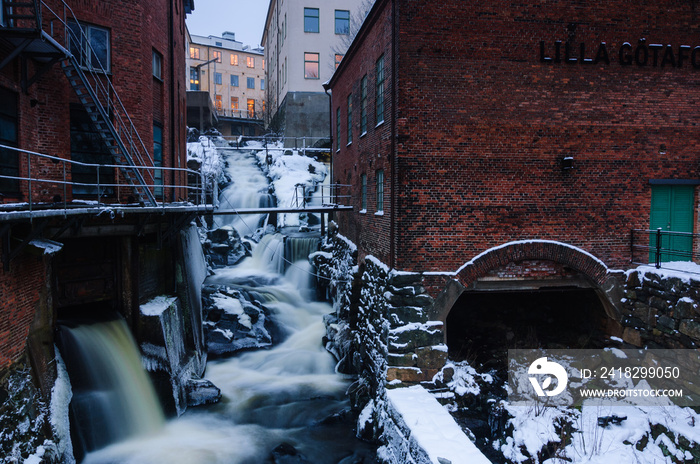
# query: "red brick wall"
484, 126
20, 294
369, 152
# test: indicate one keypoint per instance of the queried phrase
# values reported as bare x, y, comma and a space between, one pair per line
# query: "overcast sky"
244, 17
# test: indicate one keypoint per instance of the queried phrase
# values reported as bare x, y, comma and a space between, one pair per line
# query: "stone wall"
660, 309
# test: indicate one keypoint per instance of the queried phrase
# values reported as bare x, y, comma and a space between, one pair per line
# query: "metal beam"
309, 209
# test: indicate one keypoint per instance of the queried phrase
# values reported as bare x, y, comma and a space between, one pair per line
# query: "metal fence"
34, 175
325, 195
659, 246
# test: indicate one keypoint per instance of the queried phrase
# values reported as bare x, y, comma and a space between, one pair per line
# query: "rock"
287, 454
202, 391
690, 328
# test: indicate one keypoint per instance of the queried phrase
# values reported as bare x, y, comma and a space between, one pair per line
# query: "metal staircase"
21, 28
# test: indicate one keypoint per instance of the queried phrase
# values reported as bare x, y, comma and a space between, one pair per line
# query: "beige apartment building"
233, 75
304, 40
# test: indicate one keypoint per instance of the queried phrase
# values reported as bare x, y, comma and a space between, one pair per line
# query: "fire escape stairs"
22, 31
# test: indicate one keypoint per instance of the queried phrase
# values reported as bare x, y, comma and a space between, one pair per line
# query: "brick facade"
480, 116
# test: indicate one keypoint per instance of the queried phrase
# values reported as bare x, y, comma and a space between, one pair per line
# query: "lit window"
218, 79
194, 53
251, 108
90, 44
363, 105
349, 119
219, 102
217, 56
379, 98
363, 191
338, 59
342, 22
337, 129
194, 78
234, 80
380, 190
234, 104
251, 82
234, 59
157, 65
263, 63
250, 61
310, 65
311, 20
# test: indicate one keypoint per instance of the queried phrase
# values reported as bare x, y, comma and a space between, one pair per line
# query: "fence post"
658, 248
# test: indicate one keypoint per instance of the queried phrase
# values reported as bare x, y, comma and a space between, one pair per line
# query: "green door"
672, 211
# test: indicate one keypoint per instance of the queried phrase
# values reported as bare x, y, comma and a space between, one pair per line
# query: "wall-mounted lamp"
567, 163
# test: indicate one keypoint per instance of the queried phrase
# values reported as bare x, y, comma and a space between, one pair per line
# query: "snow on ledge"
517, 242
432, 427
157, 305
686, 271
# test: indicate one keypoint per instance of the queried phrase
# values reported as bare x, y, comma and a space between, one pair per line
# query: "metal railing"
240, 114
657, 246
324, 195
302, 144
36, 177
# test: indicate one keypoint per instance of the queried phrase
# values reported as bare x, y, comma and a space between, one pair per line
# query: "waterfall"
113, 398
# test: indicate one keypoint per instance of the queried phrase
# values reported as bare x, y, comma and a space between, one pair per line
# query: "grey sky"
244, 17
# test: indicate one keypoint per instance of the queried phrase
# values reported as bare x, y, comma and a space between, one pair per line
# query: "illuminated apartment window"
217, 56
234, 59
349, 119
380, 190
263, 64
311, 20
250, 61
194, 78
234, 80
338, 59
342, 22
310, 65
251, 108
219, 103
234, 105
194, 53
363, 105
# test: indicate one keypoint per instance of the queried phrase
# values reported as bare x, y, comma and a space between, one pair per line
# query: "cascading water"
286, 401
113, 398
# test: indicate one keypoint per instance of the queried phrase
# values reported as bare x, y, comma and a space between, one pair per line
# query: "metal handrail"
302, 198
656, 248
198, 193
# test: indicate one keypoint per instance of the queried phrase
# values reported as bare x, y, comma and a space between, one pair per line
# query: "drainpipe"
332, 193
394, 183
173, 111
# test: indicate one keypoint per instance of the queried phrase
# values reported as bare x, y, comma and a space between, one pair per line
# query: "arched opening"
483, 325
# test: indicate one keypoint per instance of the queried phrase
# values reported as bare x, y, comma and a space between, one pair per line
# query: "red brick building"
563, 121
92, 105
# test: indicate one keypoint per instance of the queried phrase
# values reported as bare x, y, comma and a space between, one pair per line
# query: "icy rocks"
224, 247
201, 392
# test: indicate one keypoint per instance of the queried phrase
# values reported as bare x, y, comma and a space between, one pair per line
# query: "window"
234, 105
9, 160
337, 129
158, 159
234, 80
234, 59
90, 44
310, 65
250, 61
311, 20
217, 56
338, 59
86, 146
342, 22
218, 79
251, 82
219, 103
379, 100
194, 78
349, 119
380, 190
363, 191
363, 105
251, 108
263, 62
262, 84
157, 65
194, 53
219, 44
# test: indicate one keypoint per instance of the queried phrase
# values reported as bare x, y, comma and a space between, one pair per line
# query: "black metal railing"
657, 246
